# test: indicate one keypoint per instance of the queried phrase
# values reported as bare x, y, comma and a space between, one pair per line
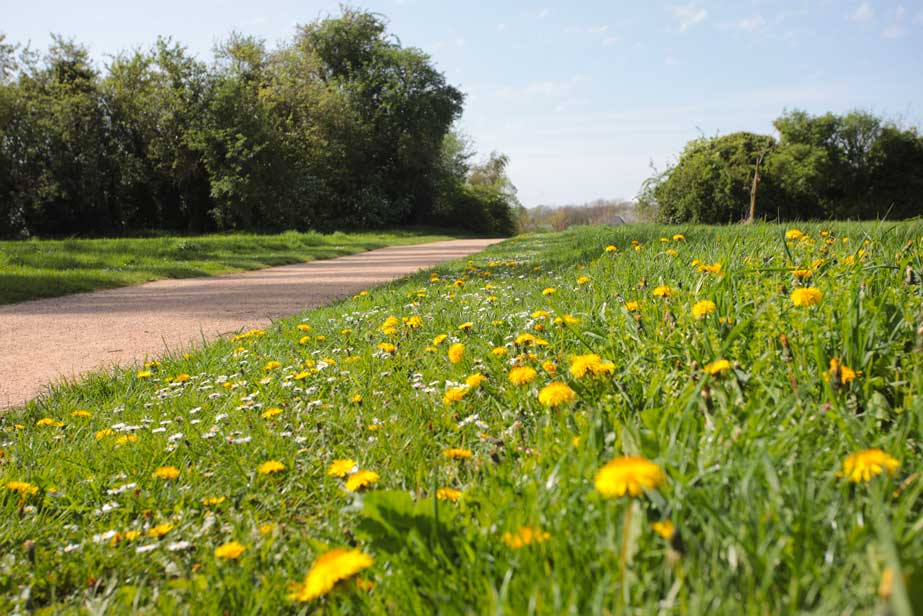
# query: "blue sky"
583, 98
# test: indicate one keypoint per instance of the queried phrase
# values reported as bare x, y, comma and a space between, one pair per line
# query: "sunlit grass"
213, 484
34, 269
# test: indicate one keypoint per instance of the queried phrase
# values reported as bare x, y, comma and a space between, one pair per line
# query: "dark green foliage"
340, 127
828, 166
711, 181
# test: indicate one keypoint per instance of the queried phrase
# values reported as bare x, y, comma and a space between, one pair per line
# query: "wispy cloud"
542, 14
688, 15
501, 28
863, 14
918, 19
609, 41
747, 24
895, 28
597, 29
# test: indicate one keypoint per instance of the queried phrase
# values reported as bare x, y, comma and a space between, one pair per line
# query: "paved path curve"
46, 340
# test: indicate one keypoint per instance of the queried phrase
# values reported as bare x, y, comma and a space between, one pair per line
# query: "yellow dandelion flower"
267, 528
710, 268
556, 394
590, 363
663, 291
665, 529
454, 394
583, 279
499, 351
864, 465
522, 375
212, 501
101, 434
628, 475
457, 453
272, 365
160, 530
806, 296
23, 487
334, 566
81, 413
611, 248
631, 306
387, 347
466, 327
230, 551
526, 535
143, 374
127, 438
456, 352
270, 466
181, 378
304, 327
475, 380
803, 274
356, 399
793, 234
271, 412
844, 374
166, 472
439, 339
550, 367
449, 494
703, 308
48, 422
414, 322
717, 367
679, 237
549, 291
361, 479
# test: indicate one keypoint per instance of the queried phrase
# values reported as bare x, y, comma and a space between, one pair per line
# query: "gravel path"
49, 340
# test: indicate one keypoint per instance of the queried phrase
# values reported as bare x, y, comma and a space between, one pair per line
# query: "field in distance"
34, 269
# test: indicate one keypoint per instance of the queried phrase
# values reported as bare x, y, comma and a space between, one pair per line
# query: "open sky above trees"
583, 98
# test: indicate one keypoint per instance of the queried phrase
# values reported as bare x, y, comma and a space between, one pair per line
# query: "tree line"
339, 127
856, 166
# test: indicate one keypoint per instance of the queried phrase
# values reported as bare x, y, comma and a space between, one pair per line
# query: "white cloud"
895, 28
501, 27
747, 24
543, 13
459, 42
688, 15
863, 14
597, 29
918, 19
609, 41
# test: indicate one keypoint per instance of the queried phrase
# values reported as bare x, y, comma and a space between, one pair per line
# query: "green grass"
34, 269
752, 455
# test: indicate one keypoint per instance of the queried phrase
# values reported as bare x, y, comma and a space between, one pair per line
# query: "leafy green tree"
712, 179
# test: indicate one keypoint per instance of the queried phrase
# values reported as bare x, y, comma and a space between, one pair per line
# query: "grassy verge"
35, 269
210, 483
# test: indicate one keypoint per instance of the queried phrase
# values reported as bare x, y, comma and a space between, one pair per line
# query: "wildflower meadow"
636, 419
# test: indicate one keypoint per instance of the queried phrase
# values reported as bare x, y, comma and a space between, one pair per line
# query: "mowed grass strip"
34, 269
638, 420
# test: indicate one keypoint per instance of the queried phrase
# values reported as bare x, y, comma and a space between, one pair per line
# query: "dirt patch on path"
48, 340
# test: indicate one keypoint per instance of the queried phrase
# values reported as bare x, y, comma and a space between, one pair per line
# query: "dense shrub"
828, 166
339, 127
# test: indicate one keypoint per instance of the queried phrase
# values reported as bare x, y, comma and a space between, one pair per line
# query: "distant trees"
598, 212
340, 127
828, 166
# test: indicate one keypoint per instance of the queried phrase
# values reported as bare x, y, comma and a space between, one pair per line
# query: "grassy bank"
35, 269
455, 442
